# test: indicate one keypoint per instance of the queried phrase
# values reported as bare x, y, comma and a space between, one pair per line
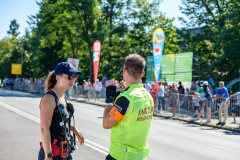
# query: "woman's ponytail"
50, 82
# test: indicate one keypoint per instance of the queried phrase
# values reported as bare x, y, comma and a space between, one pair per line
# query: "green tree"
13, 28
211, 24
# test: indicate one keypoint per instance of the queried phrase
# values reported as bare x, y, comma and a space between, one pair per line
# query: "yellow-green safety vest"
129, 135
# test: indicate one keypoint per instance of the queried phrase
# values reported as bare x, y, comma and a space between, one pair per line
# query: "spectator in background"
222, 93
11, 83
84, 88
173, 98
181, 92
153, 92
193, 88
181, 89
208, 100
202, 98
147, 86
161, 103
166, 95
198, 86
98, 89
235, 110
196, 100
89, 88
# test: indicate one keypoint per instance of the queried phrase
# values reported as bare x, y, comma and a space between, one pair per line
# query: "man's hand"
111, 91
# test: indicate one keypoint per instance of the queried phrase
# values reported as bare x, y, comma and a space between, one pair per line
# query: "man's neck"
132, 81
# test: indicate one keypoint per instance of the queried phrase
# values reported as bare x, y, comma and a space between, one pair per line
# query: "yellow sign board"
16, 69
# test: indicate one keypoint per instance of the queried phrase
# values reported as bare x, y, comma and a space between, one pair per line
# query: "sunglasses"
124, 67
71, 77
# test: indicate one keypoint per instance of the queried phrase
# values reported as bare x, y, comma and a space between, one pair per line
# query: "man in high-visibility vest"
129, 114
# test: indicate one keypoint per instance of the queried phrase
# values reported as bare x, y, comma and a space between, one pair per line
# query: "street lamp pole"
77, 42
239, 77
22, 60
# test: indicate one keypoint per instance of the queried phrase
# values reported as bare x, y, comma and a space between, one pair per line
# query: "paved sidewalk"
182, 117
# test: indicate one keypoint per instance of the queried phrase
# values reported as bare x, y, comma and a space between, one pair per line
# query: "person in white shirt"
235, 109
147, 86
161, 97
196, 100
98, 89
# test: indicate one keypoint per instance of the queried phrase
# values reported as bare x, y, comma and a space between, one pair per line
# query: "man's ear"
143, 73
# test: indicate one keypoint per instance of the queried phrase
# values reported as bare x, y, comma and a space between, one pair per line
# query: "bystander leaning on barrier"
235, 110
222, 93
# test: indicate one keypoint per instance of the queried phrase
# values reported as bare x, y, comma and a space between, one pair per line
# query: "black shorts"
236, 110
196, 107
97, 92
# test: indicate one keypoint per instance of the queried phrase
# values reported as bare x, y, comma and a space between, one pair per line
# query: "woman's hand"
79, 136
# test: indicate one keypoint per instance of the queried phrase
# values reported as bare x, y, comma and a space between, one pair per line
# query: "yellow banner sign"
16, 69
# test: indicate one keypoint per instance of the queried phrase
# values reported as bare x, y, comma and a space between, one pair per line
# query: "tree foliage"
211, 32
13, 28
68, 28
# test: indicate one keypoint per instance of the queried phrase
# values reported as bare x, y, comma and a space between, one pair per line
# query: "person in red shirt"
153, 92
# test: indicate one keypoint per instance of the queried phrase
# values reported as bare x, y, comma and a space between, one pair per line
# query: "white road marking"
99, 150
91, 114
229, 149
97, 145
35, 119
88, 143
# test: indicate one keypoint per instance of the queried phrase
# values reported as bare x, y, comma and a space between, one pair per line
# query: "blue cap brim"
73, 71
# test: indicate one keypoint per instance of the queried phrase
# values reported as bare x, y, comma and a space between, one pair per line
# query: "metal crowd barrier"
32, 87
184, 102
185, 107
79, 92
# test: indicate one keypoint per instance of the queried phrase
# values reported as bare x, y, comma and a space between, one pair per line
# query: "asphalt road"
168, 139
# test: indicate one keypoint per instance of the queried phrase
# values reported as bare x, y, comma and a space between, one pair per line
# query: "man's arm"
115, 113
234, 95
108, 121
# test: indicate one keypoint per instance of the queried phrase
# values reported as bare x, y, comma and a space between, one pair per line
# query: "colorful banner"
96, 57
158, 43
174, 67
211, 81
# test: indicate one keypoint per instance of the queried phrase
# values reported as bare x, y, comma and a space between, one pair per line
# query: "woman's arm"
47, 107
78, 134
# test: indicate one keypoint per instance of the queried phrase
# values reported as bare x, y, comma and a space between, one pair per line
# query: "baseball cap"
66, 68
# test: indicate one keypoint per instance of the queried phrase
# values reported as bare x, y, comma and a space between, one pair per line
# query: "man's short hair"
221, 82
135, 65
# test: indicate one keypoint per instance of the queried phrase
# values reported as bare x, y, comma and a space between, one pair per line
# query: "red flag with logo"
96, 58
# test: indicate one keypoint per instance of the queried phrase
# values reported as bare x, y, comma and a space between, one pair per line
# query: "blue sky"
20, 9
